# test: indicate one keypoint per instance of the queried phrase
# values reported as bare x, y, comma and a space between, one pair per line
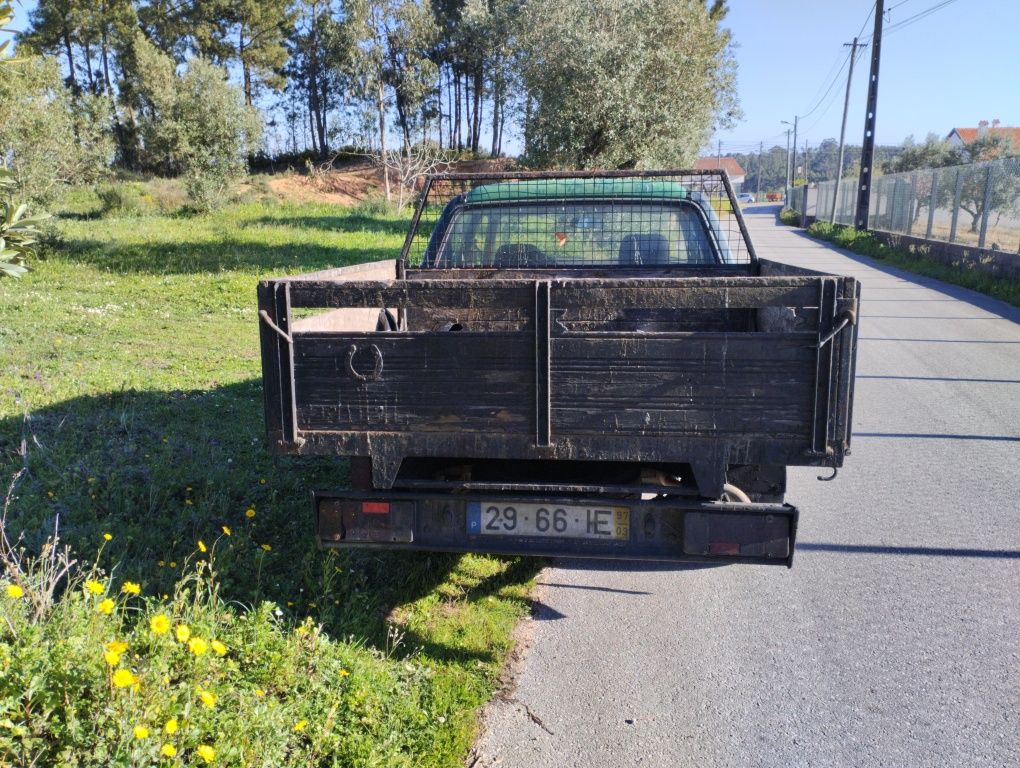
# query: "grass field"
129, 367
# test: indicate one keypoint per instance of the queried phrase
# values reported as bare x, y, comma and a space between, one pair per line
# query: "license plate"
501, 518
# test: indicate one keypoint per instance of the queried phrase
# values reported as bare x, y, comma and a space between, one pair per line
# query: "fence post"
932, 202
912, 203
803, 210
989, 178
956, 205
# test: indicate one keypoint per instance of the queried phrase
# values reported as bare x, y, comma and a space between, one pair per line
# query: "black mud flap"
664, 529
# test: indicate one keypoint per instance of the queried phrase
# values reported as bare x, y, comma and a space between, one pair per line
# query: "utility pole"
787, 159
842, 131
868, 148
757, 187
795, 119
718, 155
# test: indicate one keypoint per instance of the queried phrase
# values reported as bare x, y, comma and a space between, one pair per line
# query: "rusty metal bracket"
269, 321
377, 367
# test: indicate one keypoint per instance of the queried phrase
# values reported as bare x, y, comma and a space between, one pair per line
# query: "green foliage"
648, 95
195, 124
867, 244
134, 349
47, 136
18, 233
789, 217
933, 153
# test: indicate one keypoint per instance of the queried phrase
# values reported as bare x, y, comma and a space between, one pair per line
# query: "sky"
951, 68
956, 66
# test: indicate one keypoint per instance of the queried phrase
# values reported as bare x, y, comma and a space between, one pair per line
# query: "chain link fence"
976, 204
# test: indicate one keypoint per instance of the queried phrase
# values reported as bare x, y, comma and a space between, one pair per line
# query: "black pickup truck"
588, 364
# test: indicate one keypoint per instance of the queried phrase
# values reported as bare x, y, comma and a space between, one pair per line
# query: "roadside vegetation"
866, 244
131, 420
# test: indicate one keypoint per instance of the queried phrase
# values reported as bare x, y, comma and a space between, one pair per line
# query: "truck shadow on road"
875, 549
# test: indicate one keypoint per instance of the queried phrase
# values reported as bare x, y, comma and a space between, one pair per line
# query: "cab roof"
559, 189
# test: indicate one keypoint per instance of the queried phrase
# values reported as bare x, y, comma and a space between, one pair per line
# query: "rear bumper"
670, 529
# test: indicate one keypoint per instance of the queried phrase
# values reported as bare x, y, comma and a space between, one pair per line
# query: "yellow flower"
300, 725
183, 632
206, 752
259, 693
159, 624
219, 648
208, 698
266, 547
116, 646
131, 588
226, 530
161, 563
188, 489
171, 726
344, 673
262, 481
123, 678
141, 732
14, 591
198, 646
173, 563
106, 606
201, 546
112, 658
108, 536
249, 513
168, 750
95, 587
189, 502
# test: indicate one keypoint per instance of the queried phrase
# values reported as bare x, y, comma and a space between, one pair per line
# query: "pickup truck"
587, 364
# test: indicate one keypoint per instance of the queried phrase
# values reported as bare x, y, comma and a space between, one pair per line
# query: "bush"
789, 217
127, 198
195, 124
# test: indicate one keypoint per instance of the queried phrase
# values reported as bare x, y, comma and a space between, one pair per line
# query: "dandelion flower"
168, 750
112, 658
159, 624
226, 530
183, 632
259, 693
218, 648
262, 481
171, 726
344, 673
106, 606
206, 752
14, 591
266, 547
124, 678
208, 698
202, 547
131, 588
198, 646
116, 646
95, 587
249, 513
300, 725
141, 732
161, 563
108, 536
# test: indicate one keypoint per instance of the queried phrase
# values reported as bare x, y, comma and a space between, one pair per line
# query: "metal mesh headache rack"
577, 219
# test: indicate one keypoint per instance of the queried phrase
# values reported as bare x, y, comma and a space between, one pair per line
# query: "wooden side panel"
427, 382
756, 386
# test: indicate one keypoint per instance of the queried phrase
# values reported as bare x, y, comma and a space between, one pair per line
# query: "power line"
829, 89
832, 100
870, 11
917, 17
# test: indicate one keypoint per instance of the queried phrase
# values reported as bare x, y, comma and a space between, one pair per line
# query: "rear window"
574, 234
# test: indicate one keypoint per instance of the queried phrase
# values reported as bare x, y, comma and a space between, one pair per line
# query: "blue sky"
954, 67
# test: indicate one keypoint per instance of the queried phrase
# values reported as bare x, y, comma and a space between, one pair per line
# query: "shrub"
195, 124
789, 217
128, 198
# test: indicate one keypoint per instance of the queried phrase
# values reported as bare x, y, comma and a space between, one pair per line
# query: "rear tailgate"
558, 369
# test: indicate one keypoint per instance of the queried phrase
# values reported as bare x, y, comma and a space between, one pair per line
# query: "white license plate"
503, 518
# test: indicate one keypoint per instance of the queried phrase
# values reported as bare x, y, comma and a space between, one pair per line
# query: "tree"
986, 185
623, 85
195, 124
932, 153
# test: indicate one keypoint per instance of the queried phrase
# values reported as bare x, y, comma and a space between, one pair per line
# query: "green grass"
129, 365
866, 244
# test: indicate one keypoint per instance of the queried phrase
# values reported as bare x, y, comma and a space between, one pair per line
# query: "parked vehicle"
591, 364
745, 197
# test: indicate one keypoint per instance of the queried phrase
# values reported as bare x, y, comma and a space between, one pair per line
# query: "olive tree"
618, 84
195, 124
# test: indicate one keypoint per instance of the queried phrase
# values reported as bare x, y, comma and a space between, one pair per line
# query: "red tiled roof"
967, 135
729, 164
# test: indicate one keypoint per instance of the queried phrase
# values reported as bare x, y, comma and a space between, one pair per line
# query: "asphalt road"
895, 638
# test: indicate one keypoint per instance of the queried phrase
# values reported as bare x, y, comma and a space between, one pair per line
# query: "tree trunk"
476, 136
70, 63
456, 91
106, 62
495, 116
381, 105
245, 68
439, 105
88, 68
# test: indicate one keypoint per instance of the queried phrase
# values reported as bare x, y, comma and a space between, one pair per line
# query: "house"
961, 138
728, 164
